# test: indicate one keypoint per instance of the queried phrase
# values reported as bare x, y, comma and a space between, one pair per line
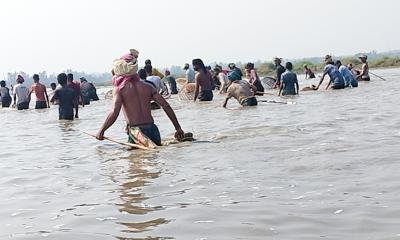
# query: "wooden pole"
121, 143
377, 76
266, 93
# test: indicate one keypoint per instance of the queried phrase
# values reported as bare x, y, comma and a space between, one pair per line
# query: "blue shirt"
334, 74
289, 80
348, 76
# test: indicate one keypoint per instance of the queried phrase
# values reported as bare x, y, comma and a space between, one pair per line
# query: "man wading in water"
204, 82
42, 99
242, 91
134, 97
364, 73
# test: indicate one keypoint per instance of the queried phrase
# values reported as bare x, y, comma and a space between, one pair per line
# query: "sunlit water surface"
326, 167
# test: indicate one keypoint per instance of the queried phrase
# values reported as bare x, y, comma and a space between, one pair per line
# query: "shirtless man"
78, 95
204, 82
42, 99
133, 97
364, 73
242, 91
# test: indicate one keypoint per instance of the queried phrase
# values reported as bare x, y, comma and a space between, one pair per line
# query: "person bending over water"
133, 97
336, 78
65, 97
5, 95
242, 91
42, 99
204, 82
289, 84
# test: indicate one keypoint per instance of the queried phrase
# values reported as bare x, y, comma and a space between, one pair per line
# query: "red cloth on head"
120, 81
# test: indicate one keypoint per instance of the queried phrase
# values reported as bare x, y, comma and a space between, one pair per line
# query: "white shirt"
21, 91
157, 83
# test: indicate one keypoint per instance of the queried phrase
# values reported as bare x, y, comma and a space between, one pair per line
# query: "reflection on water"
324, 168
133, 196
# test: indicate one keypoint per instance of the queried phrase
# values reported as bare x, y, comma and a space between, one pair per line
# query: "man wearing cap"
133, 97
364, 73
279, 71
20, 95
190, 74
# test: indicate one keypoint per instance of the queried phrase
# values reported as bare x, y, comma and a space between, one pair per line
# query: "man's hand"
179, 134
100, 136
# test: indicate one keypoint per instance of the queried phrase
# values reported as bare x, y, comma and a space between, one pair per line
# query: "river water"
326, 167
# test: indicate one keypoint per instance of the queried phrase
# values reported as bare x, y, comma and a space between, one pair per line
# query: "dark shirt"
289, 80
279, 71
172, 84
4, 92
65, 97
239, 72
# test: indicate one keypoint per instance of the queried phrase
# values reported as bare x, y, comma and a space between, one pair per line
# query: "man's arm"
15, 97
222, 82
229, 95
47, 97
297, 85
320, 81
55, 97
330, 81
254, 88
179, 134
197, 89
112, 116
280, 89
29, 94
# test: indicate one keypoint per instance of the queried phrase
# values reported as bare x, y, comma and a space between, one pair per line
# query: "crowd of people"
19, 96
138, 91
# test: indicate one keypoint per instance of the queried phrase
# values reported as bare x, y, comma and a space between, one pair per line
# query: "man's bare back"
134, 99
240, 90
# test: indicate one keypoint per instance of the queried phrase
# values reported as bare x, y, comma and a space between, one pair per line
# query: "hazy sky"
87, 35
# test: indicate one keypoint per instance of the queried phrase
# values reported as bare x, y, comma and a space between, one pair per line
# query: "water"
324, 168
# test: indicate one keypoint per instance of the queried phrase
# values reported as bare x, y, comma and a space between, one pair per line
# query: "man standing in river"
134, 97
204, 82
42, 99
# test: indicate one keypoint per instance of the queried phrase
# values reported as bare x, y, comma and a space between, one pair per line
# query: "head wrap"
20, 79
125, 69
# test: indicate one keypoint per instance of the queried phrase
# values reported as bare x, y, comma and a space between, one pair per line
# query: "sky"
87, 35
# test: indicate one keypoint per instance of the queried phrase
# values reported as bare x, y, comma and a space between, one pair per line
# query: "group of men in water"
83, 93
135, 91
